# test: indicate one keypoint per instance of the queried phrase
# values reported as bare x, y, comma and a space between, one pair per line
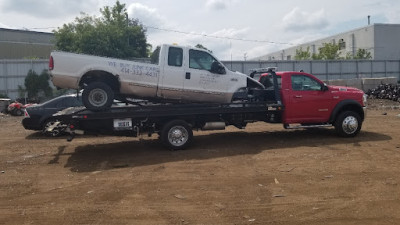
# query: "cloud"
393, 15
146, 15
297, 20
45, 9
217, 4
2, 25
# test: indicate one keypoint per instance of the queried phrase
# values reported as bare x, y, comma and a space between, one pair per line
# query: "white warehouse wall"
382, 40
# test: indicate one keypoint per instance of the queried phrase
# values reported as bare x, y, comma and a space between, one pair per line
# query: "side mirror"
325, 87
218, 68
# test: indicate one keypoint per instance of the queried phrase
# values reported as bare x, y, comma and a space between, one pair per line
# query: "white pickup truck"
182, 74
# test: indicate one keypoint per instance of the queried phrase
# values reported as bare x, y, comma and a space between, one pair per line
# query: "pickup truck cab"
310, 102
182, 74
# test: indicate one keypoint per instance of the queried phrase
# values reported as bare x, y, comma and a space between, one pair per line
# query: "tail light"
26, 114
51, 63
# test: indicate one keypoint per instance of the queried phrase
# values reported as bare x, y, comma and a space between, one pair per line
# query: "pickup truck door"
307, 101
173, 74
200, 84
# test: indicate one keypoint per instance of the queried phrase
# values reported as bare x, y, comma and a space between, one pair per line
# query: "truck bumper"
365, 111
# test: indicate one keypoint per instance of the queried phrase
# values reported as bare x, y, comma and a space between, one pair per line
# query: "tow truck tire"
348, 124
176, 135
97, 96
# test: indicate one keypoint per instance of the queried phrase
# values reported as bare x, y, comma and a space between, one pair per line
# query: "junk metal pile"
385, 91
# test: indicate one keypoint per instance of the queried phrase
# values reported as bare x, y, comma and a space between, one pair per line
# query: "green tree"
155, 55
303, 54
35, 83
113, 34
21, 91
3, 95
363, 54
328, 51
316, 56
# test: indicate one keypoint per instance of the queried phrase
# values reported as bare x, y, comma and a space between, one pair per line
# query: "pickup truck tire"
176, 135
97, 96
348, 124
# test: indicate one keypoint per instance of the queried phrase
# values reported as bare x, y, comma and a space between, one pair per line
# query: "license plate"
123, 124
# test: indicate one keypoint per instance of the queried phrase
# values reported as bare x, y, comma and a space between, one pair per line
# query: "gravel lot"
261, 175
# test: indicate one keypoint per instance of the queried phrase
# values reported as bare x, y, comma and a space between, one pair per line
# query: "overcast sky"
263, 26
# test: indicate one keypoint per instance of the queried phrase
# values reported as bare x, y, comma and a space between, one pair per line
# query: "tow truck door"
307, 101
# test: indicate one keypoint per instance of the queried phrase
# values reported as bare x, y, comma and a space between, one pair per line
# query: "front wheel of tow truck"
176, 135
348, 124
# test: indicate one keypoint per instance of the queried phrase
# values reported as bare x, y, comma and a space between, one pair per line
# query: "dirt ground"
261, 175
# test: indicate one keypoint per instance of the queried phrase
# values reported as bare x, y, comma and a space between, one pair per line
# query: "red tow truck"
295, 99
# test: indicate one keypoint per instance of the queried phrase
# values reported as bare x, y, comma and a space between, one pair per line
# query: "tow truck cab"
308, 100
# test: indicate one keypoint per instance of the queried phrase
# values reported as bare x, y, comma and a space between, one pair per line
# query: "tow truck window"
305, 83
200, 60
268, 82
175, 56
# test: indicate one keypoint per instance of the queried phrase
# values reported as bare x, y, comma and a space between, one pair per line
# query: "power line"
219, 37
192, 33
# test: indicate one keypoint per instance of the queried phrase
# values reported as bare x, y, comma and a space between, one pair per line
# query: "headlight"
365, 99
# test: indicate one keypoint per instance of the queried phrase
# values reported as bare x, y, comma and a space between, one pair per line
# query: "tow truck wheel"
176, 135
97, 96
348, 124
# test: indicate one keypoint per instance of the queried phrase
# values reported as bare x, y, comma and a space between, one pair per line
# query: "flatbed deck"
151, 118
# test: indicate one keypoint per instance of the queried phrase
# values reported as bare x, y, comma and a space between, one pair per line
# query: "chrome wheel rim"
350, 125
98, 97
178, 136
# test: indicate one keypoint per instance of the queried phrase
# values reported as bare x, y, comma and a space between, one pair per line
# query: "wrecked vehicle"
182, 74
39, 117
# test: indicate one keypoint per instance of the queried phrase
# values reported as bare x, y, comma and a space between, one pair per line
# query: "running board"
287, 126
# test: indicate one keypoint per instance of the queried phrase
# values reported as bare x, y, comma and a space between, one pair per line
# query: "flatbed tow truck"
175, 122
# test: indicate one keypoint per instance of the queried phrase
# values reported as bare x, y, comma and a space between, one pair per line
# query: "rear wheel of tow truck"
348, 124
176, 135
56, 131
97, 96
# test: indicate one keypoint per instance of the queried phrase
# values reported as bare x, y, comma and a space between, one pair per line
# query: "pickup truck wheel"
97, 96
348, 124
176, 135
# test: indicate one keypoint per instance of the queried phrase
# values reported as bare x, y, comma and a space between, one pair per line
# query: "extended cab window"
268, 82
305, 83
200, 60
175, 56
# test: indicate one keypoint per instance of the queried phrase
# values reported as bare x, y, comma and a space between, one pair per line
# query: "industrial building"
24, 44
381, 40
21, 51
